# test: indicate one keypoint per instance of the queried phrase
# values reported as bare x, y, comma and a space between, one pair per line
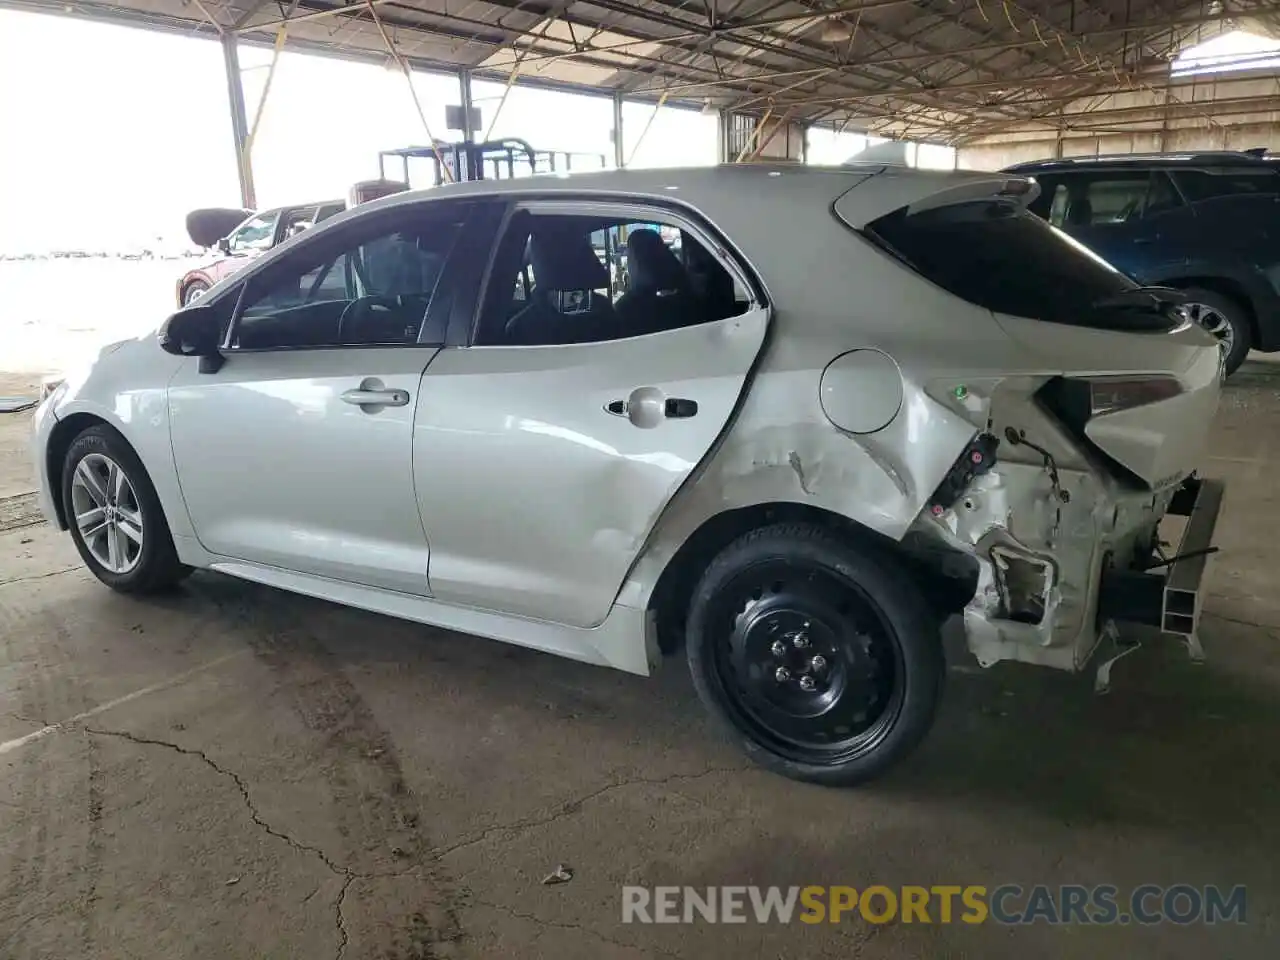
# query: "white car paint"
505, 500
558, 495
277, 469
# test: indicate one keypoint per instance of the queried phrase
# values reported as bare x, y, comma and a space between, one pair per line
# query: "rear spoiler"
1020, 189
884, 192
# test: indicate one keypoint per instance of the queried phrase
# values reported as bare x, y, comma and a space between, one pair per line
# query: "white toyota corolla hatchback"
829, 409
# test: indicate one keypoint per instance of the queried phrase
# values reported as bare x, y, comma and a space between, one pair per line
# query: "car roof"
1165, 161
717, 188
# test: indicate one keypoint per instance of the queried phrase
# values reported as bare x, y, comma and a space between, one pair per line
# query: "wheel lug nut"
807, 684
779, 648
800, 641
818, 663
782, 674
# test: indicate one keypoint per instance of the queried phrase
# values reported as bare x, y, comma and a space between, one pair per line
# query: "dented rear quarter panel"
843, 294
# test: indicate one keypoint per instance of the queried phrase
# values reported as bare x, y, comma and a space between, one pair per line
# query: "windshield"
997, 255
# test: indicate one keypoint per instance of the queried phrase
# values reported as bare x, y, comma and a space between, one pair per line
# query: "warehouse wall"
1221, 113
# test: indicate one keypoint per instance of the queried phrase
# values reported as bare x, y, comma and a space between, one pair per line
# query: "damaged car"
846, 406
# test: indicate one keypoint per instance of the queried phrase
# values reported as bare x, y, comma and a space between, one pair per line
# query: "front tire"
115, 516
1226, 319
193, 291
820, 656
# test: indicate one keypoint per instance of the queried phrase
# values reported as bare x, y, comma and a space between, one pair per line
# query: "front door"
542, 464
297, 453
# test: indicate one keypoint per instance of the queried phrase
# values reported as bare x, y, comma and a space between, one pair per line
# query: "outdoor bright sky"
114, 153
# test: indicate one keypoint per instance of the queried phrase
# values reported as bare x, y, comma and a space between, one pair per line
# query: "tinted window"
1109, 199
999, 256
361, 287
1207, 184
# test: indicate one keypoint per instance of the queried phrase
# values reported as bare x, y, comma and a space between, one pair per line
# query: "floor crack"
571, 807
41, 576
348, 875
339, 919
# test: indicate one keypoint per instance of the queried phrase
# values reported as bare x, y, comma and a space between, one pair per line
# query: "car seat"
567, 304
1079, 212
661, 296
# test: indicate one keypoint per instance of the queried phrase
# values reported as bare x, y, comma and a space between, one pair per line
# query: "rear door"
541, 465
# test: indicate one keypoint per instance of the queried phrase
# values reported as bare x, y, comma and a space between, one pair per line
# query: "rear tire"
115, 516
779, 600
1227, 319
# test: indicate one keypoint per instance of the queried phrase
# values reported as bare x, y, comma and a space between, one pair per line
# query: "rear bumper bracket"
1173, 600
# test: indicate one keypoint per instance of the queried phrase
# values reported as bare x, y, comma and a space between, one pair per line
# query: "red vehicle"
258, 233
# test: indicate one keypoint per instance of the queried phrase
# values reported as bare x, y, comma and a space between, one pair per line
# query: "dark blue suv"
1206, 223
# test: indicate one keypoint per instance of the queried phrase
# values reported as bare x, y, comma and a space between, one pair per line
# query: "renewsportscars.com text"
1010, 904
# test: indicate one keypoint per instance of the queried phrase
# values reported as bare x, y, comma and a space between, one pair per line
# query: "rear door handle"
678, 408
376, 398
644, 408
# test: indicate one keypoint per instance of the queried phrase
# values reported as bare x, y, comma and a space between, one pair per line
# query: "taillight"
1076, 400
1111, 394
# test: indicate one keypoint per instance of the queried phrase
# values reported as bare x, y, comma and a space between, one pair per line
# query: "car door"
545, 452
297, 452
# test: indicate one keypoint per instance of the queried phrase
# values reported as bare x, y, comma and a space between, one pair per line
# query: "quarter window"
361, 287
1001, 257
568, 278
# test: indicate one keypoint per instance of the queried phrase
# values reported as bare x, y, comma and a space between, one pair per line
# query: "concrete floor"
238, 773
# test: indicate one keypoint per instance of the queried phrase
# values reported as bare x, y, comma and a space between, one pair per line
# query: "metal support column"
468, 107
619, 157
239, 122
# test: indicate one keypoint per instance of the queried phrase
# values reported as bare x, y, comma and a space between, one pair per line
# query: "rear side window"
1199, 185
997, 255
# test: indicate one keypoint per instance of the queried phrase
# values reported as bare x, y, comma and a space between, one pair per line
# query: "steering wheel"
366, 309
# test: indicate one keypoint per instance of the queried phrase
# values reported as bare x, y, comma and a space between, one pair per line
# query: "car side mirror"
194, 331
224, 244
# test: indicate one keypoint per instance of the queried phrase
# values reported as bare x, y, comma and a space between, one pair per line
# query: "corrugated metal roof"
928, 69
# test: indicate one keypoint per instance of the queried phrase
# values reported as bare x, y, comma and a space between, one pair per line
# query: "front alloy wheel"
115, 516
107, 513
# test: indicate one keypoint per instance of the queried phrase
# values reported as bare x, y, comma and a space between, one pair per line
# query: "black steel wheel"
822, 658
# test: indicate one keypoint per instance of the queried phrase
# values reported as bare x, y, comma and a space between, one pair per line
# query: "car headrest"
564, 260
1080, 212
651, 263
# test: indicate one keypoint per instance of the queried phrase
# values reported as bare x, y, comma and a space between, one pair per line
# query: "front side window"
567, 278
997, 255
255, 235
1109, 199
372, 283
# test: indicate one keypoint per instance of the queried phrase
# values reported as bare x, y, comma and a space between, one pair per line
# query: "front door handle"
376, 398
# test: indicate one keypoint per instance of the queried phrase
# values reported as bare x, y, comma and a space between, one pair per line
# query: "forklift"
489, 160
